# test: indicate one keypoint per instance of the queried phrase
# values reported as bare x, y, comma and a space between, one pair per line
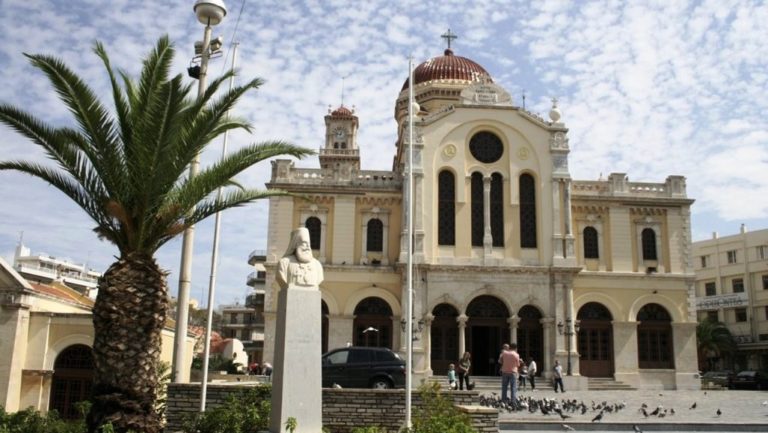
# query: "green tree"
714, 339
127, 170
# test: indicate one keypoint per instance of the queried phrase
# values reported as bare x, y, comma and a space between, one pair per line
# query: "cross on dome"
449, 36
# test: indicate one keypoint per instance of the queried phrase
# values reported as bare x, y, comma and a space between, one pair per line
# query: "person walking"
558, 376
532, 373
465, 363
510, 362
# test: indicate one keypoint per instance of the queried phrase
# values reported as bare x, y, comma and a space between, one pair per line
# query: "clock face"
340, 133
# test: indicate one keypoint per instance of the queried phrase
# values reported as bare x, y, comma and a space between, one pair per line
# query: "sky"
647, 88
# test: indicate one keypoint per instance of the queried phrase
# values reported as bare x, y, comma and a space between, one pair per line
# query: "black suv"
363, 367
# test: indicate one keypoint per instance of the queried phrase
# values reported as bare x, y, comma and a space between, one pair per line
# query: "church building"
507, 246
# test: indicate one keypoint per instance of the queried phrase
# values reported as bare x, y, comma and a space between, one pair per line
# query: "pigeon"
566, 427
656, 411
693, 406
598, 417
719, 412
765, 403
672, 411
645, 413
636, 429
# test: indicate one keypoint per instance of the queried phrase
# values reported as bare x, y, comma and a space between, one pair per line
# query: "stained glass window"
314, 226
486, 147
527, 211
446, 209
497, 210
649, 244
477, 210
591, 250
375, 235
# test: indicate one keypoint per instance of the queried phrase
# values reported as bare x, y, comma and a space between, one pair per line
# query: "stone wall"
343, 409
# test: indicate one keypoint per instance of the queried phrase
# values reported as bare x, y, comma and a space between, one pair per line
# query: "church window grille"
649, 244
527, 211
72, 380
486, 147
375, 238
314, 226
594, 311
654, 337
373, 312
446, 209
445, 310
478, 228
591, 250
487, 306
497, 210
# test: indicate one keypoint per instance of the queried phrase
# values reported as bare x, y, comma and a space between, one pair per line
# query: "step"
607, 384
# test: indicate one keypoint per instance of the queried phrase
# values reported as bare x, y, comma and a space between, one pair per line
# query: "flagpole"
409, 313
214, 260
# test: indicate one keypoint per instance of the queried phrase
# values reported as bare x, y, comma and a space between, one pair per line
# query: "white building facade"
732, 287
507, 246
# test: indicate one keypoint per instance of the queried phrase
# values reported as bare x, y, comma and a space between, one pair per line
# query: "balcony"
257, 256
355, 153
256, 278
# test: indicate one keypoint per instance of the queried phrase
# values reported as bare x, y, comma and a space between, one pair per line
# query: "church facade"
507, 246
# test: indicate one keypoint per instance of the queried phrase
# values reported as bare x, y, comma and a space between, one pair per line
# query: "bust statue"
298, 268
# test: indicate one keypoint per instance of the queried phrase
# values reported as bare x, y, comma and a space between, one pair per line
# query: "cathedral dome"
448, 67
342, 111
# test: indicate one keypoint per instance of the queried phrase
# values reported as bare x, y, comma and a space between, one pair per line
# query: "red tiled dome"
342, 111
448, 67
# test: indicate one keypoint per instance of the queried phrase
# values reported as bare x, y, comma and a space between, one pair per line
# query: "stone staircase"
607, 384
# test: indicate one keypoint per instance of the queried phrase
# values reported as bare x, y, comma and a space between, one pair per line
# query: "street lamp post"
210, 13
568, 330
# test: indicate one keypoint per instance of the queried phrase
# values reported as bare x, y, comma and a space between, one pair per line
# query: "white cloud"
646, 88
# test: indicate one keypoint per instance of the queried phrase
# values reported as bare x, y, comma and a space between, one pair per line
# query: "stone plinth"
297, 370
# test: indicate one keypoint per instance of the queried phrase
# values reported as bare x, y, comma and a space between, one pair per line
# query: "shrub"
32, 421
369, 429
245, 412
438, 415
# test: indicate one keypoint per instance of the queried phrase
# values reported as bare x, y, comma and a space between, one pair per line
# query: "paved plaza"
740, 411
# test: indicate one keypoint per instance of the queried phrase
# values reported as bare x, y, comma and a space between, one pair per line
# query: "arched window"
373, 323
591, 249
477, 210
649, 244
527, 211
314, 225
446, 209
72, 380
497, 210
375, 238
654, 337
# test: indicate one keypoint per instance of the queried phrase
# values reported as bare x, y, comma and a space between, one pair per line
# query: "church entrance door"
444, 338
530, 342
595, 341
487, 330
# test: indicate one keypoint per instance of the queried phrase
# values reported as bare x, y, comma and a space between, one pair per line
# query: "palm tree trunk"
128, 318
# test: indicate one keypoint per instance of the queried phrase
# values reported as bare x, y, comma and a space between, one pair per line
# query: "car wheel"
380, 383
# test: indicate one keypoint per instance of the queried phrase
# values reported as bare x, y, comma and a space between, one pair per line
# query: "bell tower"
340, 151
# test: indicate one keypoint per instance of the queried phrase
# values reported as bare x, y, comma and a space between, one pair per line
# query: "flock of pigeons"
567, 408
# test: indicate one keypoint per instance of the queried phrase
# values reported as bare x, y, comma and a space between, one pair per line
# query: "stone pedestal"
297, 370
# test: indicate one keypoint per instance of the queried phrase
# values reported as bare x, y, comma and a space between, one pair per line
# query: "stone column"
569, 248
686, 355
428, 318
462, 322
340, 331
14, 315
513, 322
557, 238
487, 238
546, 362
625, 360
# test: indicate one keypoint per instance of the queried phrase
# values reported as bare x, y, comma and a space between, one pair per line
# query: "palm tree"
713, 340
127, 171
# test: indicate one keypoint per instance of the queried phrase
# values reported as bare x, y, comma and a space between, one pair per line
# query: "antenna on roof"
21, 237
342, 88
523, 99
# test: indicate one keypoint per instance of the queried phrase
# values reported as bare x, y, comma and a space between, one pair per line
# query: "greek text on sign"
730, 300
486, 93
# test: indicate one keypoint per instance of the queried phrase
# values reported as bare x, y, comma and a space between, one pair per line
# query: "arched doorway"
444, 338
595, 342
373, 323
72, 380
654, 337
487, 330
530, 342
324, 329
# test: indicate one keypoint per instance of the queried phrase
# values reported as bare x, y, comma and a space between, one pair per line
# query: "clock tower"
340, 152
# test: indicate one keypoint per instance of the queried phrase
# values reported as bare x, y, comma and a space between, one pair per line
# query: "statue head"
300, 245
